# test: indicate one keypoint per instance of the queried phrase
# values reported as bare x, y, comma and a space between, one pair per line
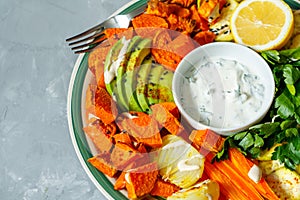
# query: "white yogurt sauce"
222, 93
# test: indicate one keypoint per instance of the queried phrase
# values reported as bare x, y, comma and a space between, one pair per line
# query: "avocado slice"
110, 66
142, 78
120, 97
165, 86
152, 85
136, 58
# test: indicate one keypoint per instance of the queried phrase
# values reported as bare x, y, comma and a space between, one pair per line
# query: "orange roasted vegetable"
181, 45
184, 3
122, 138
206, 139
242, 183
105, 106
146, 25
168, 51
201, 23
97, 57
236, 169
243, 165
172, 108
211, 9
227, 188
100, 140
161, 114
114, 34
163, 188
162, 9
122, 155
120, 182
141, 180
204, 37
141, 127
103, 164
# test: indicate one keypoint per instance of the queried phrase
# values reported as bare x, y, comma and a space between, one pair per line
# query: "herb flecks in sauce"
221, 93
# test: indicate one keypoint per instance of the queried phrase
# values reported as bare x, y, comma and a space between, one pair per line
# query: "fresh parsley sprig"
282, 123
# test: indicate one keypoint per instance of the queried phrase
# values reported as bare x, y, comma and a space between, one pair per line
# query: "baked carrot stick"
244, 165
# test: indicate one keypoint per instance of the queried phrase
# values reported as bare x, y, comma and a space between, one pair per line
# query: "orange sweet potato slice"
122, 155
105, 106
163, 188
141, 127
166, 119
207, 140
99, 139
122, 138
141, 180
146, 25
120, 182
161, 52
201, 23
178, 10
158, 8
108, 129
181, 45
162, 38
184, 3
168, 51
204, 37
96, 63
172, 108
114, 34
209, 6
102, 163
162, 9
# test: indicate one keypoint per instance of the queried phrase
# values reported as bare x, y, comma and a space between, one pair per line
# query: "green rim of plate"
77, 119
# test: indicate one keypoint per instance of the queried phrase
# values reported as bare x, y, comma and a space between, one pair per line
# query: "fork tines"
90, 37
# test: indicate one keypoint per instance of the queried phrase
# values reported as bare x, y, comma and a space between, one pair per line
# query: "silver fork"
94, 36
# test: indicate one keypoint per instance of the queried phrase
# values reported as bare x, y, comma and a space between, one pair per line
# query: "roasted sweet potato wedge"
141, 180
163, 188
141, 127
103, 164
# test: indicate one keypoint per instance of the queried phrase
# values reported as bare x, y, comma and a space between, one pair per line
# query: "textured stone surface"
37, 159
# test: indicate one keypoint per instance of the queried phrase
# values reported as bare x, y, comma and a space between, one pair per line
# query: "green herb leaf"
291, 74
291, 132
247, 141
258, 142
285, 106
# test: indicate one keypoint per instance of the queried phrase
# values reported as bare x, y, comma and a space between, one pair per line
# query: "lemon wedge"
262, 24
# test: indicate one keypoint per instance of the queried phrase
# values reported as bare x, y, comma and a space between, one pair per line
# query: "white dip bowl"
223, 86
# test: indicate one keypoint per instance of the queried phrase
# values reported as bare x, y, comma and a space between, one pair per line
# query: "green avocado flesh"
120, 79
110, 59
142, 77
152, 85
132, 77
165, 86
